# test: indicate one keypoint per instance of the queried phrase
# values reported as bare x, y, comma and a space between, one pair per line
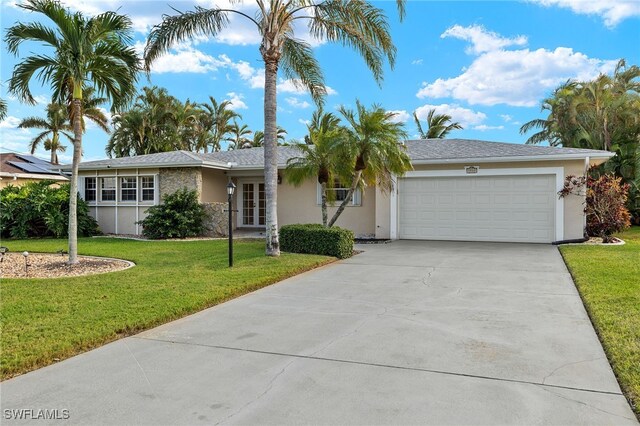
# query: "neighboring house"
18, 169
459, 189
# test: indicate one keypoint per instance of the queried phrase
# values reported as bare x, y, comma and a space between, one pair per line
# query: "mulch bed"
48, 265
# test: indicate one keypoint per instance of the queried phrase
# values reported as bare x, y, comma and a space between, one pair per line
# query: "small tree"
322, 157
605, 208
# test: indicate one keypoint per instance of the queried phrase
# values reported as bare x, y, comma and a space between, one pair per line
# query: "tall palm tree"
258, 138
321, 157
3, 109
353, 23
52, 127
217, 120
373, 143
85, 52
238, 135
438, 125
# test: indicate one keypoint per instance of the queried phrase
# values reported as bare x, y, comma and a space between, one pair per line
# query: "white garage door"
478, 208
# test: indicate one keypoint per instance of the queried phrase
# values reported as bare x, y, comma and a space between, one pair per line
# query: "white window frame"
114, 188
142, 188
121, 189
94, 189
356, 198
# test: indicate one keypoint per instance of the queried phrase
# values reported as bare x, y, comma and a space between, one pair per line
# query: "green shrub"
316, 239
179, 216
41, 209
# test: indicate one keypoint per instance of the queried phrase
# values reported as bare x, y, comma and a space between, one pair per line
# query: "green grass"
44, 320
608, 279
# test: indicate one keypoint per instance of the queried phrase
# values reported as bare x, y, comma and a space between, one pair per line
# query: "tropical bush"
606, 196
317, 239
179, 216
41, 209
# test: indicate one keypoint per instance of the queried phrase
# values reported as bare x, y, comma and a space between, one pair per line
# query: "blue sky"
488, 64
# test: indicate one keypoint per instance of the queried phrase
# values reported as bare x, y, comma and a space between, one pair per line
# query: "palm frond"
175, 29
298, 62
34, 123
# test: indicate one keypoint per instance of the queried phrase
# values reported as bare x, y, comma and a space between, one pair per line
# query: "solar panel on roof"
32, 159
31, 168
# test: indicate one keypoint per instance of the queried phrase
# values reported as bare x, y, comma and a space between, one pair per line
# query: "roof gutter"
522, 158
207, 164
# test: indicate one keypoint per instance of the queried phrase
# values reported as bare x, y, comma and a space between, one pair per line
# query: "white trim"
557, 171
239, 198
393, 212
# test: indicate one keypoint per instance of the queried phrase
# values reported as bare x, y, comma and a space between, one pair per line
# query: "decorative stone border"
52, 266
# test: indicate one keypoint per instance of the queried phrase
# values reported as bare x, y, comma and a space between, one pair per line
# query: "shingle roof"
167, 159
437, 150
451, 149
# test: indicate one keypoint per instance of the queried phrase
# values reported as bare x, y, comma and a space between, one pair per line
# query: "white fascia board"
522, 158
206, 164
33, 176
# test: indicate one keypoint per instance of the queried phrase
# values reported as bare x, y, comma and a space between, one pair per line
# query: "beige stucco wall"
300, 205
573, 205
214, 186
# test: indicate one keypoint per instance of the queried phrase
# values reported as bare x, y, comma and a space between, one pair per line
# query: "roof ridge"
191, 155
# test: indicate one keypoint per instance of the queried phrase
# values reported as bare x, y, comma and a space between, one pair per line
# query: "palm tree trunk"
323, 195
73, 191
271, 159
54, 147
347, 199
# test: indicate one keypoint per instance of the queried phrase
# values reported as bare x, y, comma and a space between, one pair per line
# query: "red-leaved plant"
604, 205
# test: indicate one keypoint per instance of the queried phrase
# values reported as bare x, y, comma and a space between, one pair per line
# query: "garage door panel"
497, 208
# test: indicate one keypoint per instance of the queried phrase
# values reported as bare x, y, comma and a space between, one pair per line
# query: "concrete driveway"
404, 333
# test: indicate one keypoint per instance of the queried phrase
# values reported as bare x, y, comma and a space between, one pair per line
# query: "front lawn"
44, 320
608, 279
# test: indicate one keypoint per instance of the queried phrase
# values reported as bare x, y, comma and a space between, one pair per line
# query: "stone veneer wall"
173, 179
217, 221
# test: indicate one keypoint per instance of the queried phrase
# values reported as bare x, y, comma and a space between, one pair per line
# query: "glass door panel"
261, 205
248, 204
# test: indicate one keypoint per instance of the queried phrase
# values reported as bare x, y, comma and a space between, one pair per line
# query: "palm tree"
3, 109
238, 135
438, 125
373, 143
86, 52
353, 23
321, 157
53, 126
258, 138
216, 121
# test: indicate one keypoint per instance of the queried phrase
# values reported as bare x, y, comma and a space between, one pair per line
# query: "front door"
252, 203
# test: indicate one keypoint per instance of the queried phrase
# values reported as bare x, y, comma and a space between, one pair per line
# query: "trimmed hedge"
316, 239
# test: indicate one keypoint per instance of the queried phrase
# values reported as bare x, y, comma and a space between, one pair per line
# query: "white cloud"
401, 116
482, 40
514, 77
484, 127
506, 117
10, 122
466, 117
184, 58
417, 62
236, 101
296, 87
305, 122
611, 11
296, 103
